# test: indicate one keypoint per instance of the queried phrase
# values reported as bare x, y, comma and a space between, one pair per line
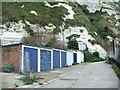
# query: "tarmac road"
94, 75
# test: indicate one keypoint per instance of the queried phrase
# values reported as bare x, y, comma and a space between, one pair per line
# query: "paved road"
94, 75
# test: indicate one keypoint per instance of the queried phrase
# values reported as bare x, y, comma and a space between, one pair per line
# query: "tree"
73, 44
47, 39
40, 39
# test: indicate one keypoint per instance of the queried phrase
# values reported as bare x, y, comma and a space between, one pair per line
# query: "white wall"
80, 57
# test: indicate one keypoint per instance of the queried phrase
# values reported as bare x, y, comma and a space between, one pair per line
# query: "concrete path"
93, 75
8, 80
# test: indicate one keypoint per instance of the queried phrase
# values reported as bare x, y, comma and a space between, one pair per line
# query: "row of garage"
44, 59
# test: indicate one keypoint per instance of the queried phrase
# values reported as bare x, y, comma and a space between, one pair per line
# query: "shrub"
87, 56
8, 68
66, 66
75, 63
73, 44
31, 80
85, 10
92, 57
56, 30
51, 42
74, 22
97, 59
96, 54
81, 31
53, 3
16, 85
29, 30
116, 69
93, 42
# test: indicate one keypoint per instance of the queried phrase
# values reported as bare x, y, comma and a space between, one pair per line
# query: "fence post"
27, 65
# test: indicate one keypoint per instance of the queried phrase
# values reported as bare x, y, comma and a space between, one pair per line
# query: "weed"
66, 66
74, 64
16, 85
31, 80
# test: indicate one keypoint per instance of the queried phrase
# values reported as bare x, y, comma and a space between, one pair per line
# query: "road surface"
92, 75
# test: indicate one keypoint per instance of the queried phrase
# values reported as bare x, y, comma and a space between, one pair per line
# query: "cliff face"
90, 23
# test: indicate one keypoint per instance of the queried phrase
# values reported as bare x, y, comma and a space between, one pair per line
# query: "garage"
56, 59
33, 58
45, 60
69, 58
63, 58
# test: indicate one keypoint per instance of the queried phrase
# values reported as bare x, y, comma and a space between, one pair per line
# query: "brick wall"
11, 55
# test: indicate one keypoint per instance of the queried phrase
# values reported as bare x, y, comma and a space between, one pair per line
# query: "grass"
93, 22
116, 69
12, 12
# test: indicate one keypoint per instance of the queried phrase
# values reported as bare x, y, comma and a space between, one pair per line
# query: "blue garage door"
69, 58
56, 59
45, 60
63, 58
75, 57
33, 59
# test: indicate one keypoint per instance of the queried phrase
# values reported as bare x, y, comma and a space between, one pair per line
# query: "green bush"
94, 41
56, 30
74, 22
87, 56
16, 85
31, 80
8, 66
92, 57
73, 44
85, 10
66, 66
116, 69
97, 59
75, 63
96, 54
29, 30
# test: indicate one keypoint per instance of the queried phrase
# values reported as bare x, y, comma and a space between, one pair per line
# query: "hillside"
65, 22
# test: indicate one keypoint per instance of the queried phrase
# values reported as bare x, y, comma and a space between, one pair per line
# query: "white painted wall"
11, 38
80, 57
